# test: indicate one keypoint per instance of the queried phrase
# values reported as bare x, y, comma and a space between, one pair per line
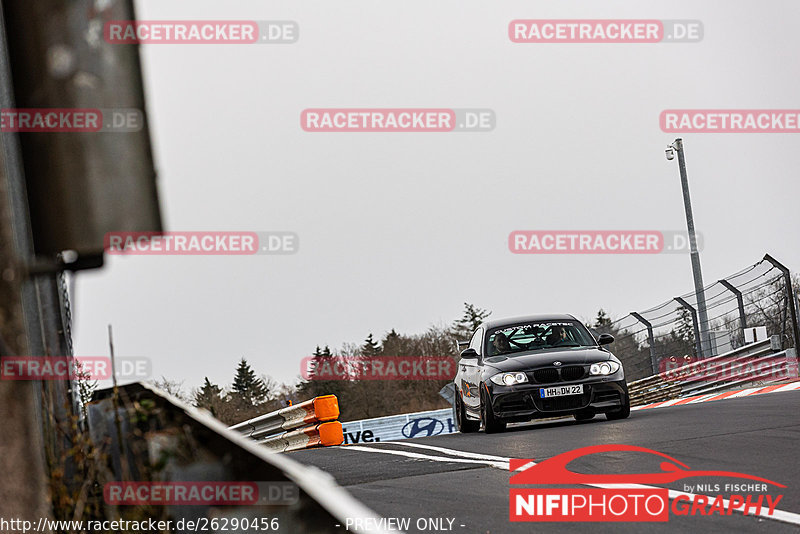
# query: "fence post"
697, 344
740, 301
787, 276
650, 340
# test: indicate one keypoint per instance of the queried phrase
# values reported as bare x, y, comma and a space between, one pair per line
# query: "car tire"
622, 413
491, 424
464, 425
584, 415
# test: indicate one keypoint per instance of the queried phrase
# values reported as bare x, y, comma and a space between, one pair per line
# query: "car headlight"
604, 368
509, 379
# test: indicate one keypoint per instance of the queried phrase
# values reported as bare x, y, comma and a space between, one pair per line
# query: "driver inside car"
558, 336
500, 343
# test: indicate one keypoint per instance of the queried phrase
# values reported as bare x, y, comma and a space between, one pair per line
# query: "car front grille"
573, 372
546, 376
550, 375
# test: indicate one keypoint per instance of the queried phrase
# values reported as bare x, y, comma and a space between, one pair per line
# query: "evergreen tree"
685, 327
370, 348
311, 387
602, 323
208, 397
472, 318
318, 356
391, 343
247, 386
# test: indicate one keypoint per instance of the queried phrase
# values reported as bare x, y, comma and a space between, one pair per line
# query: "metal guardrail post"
82, 184
697, 344
650, 340
28, 325
740, 302
787, 276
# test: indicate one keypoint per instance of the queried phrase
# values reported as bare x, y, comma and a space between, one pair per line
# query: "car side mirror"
605, 339
469, 354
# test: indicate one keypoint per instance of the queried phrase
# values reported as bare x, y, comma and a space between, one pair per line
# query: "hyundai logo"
557, 364
424, 426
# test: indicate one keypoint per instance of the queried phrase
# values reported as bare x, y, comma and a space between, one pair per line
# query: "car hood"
546, 357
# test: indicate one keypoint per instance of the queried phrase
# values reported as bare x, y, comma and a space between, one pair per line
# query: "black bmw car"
539, 366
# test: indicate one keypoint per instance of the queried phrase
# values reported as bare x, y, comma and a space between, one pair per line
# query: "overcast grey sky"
397, 230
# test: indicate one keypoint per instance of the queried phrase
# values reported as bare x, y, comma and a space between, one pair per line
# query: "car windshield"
512, 339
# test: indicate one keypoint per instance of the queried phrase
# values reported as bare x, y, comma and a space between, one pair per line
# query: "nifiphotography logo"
630, 497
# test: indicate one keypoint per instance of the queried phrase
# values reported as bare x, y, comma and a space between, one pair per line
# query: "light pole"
677, 146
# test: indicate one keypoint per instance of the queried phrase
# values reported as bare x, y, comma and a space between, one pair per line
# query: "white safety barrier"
397, 427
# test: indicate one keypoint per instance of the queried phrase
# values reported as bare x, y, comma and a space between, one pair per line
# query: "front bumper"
523, 403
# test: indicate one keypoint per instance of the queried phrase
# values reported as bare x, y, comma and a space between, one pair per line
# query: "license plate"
561, 391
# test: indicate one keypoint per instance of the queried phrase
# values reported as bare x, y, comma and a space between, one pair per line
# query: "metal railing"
760, 295
757, 362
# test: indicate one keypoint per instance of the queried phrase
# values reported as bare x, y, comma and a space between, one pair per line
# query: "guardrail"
321, 435
145, 425
312, 423
757, 362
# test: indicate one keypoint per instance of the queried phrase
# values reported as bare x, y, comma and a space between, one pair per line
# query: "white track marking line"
444, 459
454, 452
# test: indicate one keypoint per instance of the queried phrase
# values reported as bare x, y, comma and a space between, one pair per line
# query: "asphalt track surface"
758, 435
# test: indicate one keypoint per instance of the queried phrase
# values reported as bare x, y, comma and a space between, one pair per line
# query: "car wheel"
490, 423
584, 416
622, 413
464, 425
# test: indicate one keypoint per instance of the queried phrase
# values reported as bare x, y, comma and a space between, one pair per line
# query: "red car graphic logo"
554, 470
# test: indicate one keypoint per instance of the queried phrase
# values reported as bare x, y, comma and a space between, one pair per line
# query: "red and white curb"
791, 386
